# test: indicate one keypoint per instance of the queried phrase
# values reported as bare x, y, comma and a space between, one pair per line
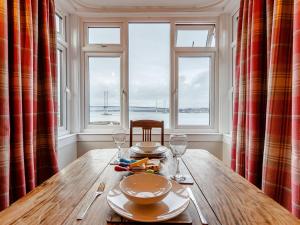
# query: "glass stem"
177, 168
119, 152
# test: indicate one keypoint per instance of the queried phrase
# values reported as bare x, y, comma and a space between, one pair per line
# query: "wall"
67, 150
226, 150
211, 142
70, 147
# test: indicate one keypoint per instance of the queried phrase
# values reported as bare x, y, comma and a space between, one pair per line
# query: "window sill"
192, 136
66, 140
227, 138
110, 130
62, 132
105, 136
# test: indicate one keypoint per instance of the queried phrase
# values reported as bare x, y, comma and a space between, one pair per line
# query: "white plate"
148, 146
171, 206
157, 151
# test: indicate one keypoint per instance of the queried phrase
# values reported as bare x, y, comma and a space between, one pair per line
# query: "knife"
192, 197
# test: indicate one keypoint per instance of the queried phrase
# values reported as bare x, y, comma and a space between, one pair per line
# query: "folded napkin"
188, 180
143, 165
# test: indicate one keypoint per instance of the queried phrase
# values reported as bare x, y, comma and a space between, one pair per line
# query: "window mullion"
172, 77
125, 75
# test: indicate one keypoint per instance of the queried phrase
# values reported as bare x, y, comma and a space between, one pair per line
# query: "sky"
149, 71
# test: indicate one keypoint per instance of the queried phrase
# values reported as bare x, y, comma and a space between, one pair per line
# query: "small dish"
145, 189
148, 146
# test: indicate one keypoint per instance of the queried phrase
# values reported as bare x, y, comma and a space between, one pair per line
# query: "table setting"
151, 190
84, 193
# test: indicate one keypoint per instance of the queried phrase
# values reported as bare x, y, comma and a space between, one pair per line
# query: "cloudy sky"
149, 72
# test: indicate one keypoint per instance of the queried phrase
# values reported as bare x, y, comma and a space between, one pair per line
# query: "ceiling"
152, 3
136, 6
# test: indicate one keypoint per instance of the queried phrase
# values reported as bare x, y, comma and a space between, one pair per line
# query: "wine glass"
178, 145
119, 137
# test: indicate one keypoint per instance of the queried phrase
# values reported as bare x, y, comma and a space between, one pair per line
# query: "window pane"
104, 35
193, 90
191, 38
213, 41
149, 71
104, 76
59, 83
58, 22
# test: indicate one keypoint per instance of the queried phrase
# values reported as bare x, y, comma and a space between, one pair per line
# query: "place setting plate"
148, 149
133, 200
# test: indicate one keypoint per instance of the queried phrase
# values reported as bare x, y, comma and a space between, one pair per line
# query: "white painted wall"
70, 147
67, 150
226, 150
210, 142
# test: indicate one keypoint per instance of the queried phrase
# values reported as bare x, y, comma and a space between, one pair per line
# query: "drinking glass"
178, 145
119, 137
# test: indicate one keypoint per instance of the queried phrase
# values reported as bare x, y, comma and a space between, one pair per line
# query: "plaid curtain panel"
266, 124
27, 96
295, 162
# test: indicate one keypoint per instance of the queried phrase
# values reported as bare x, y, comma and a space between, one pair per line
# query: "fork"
84, 210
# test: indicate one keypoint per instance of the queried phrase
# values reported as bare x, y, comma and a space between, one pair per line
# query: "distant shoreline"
147, 109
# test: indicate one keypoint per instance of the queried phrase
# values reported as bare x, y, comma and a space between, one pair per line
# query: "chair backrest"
147, 126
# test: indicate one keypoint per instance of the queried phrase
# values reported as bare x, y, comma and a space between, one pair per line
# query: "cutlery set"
84, 210
145, 197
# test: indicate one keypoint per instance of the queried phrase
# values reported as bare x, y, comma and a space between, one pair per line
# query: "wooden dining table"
224, 197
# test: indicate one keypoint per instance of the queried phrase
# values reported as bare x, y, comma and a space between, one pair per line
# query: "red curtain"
266, 123
295, 161
27, 96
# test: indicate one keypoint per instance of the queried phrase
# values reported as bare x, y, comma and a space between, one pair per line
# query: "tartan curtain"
27, 96
266, 120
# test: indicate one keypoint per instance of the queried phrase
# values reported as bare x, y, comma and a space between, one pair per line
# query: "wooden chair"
147, 126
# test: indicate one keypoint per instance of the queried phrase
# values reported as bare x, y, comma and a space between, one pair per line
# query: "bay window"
194, 77
149, 70
62, 80
194, 35
194, 72
104, 35
104, 86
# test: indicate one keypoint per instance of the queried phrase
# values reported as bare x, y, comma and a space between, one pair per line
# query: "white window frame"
234, 27
103, 50
63, 82
122, 49
61, 36
103, 47
209, 27
198, 51
212, 116
87, 55
62, 45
